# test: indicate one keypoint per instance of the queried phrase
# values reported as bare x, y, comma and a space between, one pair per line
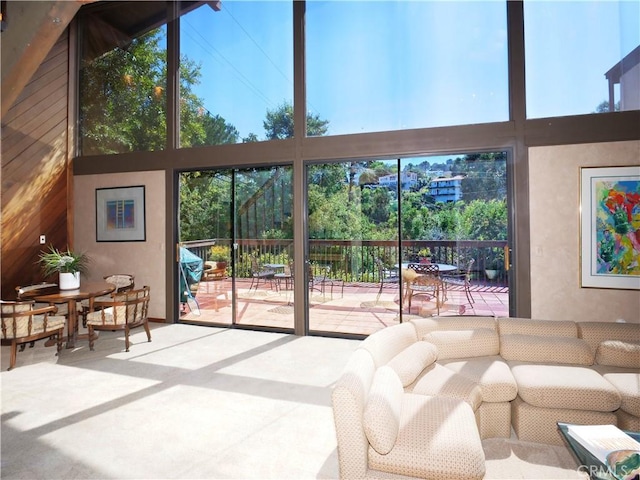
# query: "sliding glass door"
353, 275
377, 228
236, 247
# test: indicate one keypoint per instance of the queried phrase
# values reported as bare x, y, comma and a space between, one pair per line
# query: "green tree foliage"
122, 98
204, 205
486, 220
123, 102
278, 124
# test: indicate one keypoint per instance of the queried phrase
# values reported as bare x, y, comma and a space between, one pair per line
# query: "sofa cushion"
628, 385
438, 438
546, 328
564, 386
382, 412
542, 349
618, 354
596, 332
540, 425
424, 325
491, 373
478, 342
409, 363
440, 381
389, 342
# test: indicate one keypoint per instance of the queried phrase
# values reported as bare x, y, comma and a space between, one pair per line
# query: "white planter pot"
491, 274
69, 281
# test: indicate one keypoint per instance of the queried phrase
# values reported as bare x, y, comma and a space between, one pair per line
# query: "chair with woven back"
22, 323
122, 281
123, 311
63, 309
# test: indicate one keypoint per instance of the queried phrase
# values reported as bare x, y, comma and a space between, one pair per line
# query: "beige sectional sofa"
417, 399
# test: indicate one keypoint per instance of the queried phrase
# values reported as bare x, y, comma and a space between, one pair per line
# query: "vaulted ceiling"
30, 29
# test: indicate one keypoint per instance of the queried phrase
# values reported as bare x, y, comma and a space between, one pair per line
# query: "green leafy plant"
219, 253
67, 261
424, 252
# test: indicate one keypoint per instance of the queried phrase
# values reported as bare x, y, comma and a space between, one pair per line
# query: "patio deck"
355, 312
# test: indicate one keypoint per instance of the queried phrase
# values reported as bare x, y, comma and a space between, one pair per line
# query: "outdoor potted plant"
492, 265
69, 265
424, 255
220, 255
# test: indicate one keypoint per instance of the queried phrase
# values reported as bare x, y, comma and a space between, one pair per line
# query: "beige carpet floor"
195, 403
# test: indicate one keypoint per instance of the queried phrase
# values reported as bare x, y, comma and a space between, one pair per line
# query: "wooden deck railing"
354, 261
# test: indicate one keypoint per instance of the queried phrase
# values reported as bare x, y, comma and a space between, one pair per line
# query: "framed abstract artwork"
120, 214
610, 227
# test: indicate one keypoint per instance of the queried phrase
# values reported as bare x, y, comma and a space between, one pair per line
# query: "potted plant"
220, 255
69, 265
424, 255
492, 264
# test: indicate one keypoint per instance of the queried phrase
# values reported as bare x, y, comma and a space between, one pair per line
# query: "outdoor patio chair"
123, 311
22, 323
286, 275
387, 276
460, 279
259, 273
423, 279
323, 280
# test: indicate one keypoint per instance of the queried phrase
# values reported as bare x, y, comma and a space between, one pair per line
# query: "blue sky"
389, 65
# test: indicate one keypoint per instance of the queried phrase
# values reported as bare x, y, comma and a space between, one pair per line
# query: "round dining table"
88, 290
442, 267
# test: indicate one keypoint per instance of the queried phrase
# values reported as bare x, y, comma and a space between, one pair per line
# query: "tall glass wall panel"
236, 72
378, 66
581, 57
236, 247
352, 263
123, 78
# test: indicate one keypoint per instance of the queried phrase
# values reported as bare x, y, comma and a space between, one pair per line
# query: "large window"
376, 66
581, 57
123, 78
236, 73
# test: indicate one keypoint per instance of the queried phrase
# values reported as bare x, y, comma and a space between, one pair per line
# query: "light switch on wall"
43, 239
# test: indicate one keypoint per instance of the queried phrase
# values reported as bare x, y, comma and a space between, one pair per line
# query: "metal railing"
355, 261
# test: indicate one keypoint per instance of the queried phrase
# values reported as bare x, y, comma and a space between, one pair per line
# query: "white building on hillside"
448, 189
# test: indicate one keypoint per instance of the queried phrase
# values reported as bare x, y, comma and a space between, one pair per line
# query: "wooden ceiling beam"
31, 29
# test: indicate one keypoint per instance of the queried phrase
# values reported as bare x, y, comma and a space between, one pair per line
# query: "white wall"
145, 260
554, 192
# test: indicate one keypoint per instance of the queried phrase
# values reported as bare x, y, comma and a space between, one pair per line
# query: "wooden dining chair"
63, 309
123, 283
22, 323
123, 311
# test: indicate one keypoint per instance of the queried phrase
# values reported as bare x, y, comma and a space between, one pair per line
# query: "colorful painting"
120, 215
611, 227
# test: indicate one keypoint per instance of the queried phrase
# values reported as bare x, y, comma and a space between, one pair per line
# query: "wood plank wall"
35, 187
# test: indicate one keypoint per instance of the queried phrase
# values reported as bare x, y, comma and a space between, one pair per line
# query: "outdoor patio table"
87, 290
442, 267
274, 266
